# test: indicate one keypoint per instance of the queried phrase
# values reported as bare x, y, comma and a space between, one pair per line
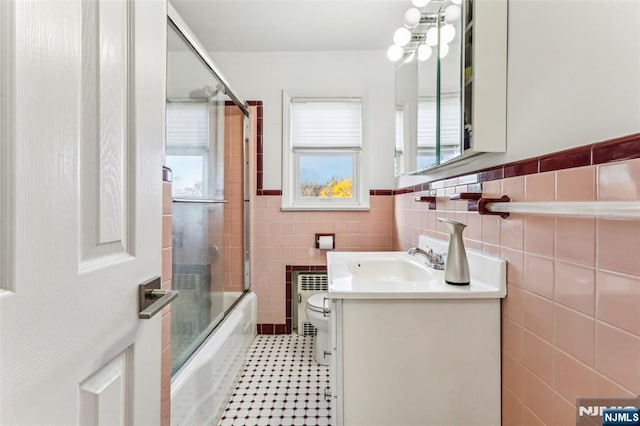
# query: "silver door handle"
152, 298
199, 201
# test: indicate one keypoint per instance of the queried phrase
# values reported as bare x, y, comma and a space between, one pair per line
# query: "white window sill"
325, 208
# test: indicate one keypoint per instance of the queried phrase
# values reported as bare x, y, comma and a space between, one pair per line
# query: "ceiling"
293, 25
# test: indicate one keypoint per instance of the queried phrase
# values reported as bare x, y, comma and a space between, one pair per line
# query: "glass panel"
451, 32
325, 175
197, 120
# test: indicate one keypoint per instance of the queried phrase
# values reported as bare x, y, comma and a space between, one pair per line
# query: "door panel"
106, 128
89, 118
103, 396
7, 141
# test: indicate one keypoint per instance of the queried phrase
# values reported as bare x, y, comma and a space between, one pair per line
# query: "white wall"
263, 76
573, 78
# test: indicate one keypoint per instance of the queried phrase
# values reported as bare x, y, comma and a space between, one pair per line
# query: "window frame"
291, 200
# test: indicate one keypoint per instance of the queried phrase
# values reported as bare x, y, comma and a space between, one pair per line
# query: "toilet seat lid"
318, 302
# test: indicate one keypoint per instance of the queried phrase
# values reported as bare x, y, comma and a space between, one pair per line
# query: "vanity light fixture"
401, 37
420, 3
412, 17
422, 31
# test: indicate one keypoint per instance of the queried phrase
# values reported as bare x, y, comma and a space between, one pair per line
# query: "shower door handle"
152, 298
199, 201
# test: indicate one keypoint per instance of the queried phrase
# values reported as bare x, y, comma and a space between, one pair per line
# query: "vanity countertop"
488, 276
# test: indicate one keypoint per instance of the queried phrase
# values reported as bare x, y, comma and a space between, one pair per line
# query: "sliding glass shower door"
197, 110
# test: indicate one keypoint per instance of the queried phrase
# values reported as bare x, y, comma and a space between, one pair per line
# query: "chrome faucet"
433, 259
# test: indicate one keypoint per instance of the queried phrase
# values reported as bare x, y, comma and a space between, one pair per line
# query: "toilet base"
321, 344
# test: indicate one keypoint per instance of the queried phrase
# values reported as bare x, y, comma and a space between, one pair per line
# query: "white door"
82, 126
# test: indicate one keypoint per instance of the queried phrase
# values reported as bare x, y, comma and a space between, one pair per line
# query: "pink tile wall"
167, 263
288, 238
233, 163
570, 321
282, 238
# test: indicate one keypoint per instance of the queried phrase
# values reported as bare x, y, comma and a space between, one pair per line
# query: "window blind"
326, 124
187, 125
450, 133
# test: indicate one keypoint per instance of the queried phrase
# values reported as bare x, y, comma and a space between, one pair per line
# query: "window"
322, 155
449, 129
188, 148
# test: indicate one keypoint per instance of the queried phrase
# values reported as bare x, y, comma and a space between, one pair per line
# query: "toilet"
318, 314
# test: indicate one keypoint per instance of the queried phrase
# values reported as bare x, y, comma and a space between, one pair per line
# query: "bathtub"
201, 388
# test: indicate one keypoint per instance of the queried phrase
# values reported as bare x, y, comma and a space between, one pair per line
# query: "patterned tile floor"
281, 385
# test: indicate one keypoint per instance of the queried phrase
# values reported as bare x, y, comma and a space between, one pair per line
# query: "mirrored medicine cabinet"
450, 85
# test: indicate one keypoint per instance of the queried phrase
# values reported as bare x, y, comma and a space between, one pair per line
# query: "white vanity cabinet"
415, 362
409, 349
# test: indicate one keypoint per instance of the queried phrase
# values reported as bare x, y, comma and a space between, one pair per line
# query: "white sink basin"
397, 275
389, 268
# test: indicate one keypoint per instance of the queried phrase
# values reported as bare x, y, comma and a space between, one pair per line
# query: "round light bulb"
424, 52
452, 13
402, 36
456, 1
412, 17
448, 33
444, 49
420, 3
432, 36
410, 57
394, 53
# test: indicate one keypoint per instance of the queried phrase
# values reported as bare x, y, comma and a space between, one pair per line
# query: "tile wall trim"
288, 326
612, 150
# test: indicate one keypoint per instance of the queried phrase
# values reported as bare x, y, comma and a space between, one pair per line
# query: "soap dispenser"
456, 268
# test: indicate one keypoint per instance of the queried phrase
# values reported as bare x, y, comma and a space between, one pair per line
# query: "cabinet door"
335, 370
485, 76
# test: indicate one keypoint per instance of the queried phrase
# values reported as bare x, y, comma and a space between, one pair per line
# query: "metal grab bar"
152, 298
604, 209
199, 201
